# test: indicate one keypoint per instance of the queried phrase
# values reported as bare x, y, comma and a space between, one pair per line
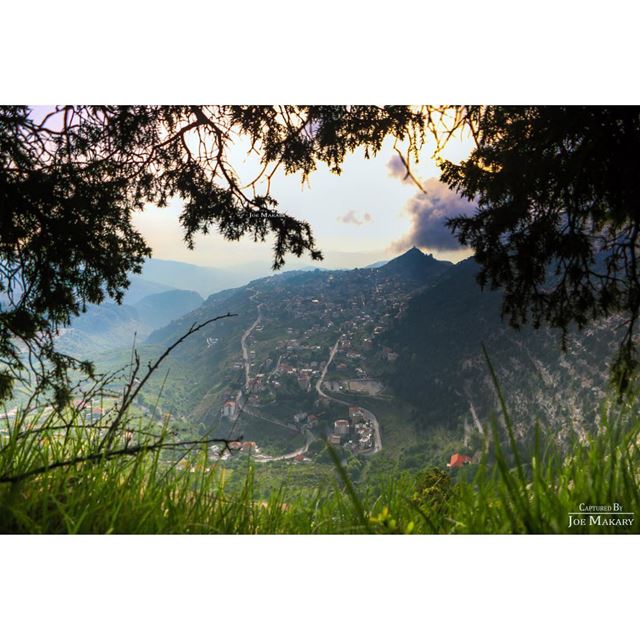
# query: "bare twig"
105, 455
132, 389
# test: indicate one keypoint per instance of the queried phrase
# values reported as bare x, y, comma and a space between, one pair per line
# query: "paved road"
377, 437
324, 373
243, 343
309, 438
258, 415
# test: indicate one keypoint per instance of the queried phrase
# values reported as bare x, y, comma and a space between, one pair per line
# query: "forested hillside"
442, 372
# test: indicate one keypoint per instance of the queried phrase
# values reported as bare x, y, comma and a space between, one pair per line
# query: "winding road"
243, 343
309, 436
377, 437
324, 373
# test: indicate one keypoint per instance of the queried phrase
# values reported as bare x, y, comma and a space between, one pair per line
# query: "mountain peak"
416, 265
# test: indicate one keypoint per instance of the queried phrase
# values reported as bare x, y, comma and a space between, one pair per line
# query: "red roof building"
458, 460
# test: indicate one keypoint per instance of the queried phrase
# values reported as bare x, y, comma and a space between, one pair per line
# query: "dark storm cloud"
429, 213
351, 218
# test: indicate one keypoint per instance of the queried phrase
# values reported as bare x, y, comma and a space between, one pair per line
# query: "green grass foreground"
509, 491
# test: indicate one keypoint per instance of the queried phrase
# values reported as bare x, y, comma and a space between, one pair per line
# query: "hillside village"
314, 350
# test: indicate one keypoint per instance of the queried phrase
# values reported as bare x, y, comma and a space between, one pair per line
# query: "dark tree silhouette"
558, 212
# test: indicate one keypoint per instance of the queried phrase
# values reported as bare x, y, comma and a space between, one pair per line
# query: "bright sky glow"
364, 187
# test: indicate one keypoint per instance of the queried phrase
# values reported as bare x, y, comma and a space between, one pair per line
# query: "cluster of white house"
355, 433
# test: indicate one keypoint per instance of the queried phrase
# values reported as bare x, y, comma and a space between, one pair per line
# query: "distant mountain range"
204, 280
141, 288
111, 326
162, 275
163, 292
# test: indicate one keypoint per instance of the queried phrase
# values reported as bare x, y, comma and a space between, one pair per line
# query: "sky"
368, 213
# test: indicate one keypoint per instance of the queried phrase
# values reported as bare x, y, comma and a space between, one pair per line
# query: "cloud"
351, 218
396, 168
429, 213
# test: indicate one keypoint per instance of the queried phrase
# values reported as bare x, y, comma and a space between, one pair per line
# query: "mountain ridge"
112, 325
416, 265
